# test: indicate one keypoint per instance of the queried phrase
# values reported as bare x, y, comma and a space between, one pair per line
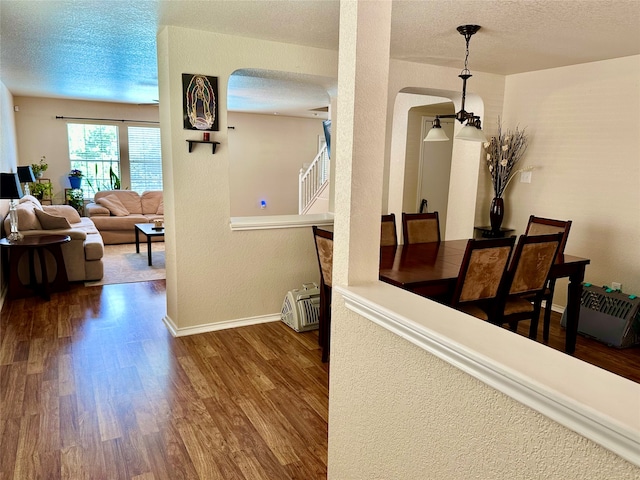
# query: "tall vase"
496, 213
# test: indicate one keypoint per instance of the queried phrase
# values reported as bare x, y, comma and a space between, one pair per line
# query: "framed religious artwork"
200, 102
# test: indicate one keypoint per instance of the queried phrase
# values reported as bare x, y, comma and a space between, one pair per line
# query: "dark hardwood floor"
93, 386
621, 361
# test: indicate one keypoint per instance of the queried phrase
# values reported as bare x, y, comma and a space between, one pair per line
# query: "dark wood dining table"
431, 270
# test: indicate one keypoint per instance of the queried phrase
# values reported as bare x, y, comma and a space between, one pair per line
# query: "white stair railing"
313, 179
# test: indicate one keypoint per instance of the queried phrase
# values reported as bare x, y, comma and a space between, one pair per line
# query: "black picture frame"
200, 102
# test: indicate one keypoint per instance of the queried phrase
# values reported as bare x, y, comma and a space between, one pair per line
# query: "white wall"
266, 153
8, 156
584, 126
397, 411
215, 275
8, 143
484, 98
40, 133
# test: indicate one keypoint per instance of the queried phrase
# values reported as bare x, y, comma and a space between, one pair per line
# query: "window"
110, 157
95, 150
145, 159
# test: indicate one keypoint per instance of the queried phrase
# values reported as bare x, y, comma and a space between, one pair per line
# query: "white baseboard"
555, 308
212, 327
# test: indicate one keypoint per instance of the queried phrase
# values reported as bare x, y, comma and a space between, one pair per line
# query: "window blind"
145, 158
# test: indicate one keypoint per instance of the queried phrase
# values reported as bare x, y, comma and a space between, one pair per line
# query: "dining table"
431, 270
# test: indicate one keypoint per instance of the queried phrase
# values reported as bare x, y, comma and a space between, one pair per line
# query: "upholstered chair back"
532, 262
420, 227
324, 248
388, 235
546, 226
483, 268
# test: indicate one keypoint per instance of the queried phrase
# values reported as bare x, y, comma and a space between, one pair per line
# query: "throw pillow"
31, 199
115, 206
160, 210
66, 211
51, 222
27, 219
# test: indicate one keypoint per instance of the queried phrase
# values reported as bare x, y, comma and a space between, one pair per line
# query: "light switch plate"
525, 177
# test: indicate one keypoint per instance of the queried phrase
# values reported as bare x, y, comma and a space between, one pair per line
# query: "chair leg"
546, 323
326, 334
547, 311
533, 329
323, 315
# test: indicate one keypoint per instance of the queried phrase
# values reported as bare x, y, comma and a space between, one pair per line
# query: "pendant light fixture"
472, 131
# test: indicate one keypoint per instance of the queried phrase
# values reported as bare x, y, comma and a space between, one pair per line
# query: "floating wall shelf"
213, 144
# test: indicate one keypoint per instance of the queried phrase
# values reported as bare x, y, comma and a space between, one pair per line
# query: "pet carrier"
609, 316
301, 308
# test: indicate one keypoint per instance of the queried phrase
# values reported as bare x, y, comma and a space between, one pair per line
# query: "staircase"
313, 184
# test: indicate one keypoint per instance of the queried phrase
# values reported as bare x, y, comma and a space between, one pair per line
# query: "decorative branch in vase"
503, 151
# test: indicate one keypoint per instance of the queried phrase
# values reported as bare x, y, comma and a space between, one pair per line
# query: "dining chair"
482, 274
420, 227
527, 277
542, 226
324, 248
388, 234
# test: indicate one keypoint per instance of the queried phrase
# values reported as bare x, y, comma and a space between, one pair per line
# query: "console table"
488, 232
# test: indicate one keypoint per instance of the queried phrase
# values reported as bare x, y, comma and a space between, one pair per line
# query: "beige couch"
115, 212
82, 255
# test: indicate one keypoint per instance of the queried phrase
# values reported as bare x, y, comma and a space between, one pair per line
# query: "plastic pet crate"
609, 316
301, 308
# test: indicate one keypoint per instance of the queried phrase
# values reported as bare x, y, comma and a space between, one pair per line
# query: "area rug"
123, 265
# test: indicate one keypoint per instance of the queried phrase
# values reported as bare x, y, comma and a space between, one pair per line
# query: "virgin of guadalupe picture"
200, 107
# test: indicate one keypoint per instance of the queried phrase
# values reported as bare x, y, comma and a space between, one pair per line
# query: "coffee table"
150, 231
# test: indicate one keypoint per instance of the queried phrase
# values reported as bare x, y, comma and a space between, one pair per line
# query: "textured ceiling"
105, 50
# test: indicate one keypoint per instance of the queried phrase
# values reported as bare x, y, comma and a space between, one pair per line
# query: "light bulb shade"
472, 134
10, 188
25, 174
436, 134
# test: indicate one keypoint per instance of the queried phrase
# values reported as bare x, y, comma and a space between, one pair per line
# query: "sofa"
82, 255
115, 213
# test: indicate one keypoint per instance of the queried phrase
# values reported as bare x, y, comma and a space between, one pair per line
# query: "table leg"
137, 240
44, 276
33, 283
16, 288
149, 249
574, 295
61, 280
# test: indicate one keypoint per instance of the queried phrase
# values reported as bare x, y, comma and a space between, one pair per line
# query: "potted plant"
114, 181
75, 178
42, 191
75, 198
40, 167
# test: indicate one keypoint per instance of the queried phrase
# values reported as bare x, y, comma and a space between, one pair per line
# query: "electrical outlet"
616, 285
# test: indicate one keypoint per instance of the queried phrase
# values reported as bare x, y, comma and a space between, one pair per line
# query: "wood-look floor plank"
144, 476
93, 386
26, 462
118, 392
49, 431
